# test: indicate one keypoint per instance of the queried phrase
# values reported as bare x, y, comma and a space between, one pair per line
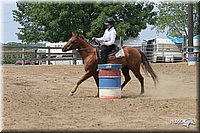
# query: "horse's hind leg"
125, 72
138, 75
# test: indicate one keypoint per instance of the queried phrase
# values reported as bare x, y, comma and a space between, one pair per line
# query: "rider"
107, 40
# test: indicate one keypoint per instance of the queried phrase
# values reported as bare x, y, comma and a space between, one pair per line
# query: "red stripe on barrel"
192, 55
112, 72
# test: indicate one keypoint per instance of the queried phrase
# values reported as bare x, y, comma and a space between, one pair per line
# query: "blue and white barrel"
109, 80
192, 58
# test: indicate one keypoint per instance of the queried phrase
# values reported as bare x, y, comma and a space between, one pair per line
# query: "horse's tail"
147, 67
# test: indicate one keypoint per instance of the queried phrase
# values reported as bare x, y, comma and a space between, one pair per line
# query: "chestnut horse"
132, 61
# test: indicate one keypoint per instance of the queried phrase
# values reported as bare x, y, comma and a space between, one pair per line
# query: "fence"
13, 53
167, 53
185, 51
154, 54
161, 53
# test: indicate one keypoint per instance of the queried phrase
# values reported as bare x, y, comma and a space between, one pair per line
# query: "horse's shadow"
133, 96
123, 96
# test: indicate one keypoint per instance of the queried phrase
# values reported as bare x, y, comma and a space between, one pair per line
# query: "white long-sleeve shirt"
108, 38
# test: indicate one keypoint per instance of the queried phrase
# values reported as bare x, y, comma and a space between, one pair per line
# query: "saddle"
117, 52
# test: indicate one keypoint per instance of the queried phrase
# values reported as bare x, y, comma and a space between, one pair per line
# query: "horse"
133, 59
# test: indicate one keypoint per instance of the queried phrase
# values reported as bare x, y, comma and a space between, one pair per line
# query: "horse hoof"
97, 95
70, 94
141, 93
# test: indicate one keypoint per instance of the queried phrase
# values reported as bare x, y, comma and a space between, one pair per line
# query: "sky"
9, 27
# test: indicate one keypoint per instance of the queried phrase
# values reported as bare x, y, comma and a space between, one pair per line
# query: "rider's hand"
93, 38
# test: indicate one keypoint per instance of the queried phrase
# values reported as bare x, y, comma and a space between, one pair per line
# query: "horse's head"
71, 44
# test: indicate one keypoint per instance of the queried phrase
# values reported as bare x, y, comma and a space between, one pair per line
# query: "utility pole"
190, 26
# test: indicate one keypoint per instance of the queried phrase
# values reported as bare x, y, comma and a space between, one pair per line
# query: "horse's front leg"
86, 76
96, 78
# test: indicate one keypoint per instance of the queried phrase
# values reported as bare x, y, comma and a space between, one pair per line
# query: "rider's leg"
104, 53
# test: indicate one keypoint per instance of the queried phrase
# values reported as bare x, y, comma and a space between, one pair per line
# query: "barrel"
109, 80
192, 58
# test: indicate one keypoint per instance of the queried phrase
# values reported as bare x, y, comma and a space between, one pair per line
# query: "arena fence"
168, 54
11, 54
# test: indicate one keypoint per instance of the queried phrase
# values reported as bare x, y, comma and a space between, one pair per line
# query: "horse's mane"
84, 39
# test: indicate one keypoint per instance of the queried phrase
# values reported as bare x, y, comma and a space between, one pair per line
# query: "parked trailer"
164, 50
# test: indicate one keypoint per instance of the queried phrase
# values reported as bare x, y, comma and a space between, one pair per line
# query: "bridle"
74, 43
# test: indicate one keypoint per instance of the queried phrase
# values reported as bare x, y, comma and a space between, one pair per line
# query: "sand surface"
36, 98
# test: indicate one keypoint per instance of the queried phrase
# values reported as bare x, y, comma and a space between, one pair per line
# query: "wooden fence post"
163, 55
184, 48
49, 55
74, 58
35, 57
23, 56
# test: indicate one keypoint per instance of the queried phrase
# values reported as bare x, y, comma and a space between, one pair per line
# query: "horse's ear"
77, 35
73, 34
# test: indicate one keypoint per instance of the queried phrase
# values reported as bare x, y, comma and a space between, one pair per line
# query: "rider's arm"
101, 38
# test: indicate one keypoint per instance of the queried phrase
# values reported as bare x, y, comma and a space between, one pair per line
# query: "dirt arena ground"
36, 98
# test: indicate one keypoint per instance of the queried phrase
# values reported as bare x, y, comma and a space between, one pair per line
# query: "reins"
85, 49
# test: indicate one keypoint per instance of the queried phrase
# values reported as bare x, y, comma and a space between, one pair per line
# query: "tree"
174, 18
48, 21
196, 16
130, 18
54, 22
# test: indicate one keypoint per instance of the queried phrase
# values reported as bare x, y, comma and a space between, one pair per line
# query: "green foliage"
174, 17
197, 19
54, 22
